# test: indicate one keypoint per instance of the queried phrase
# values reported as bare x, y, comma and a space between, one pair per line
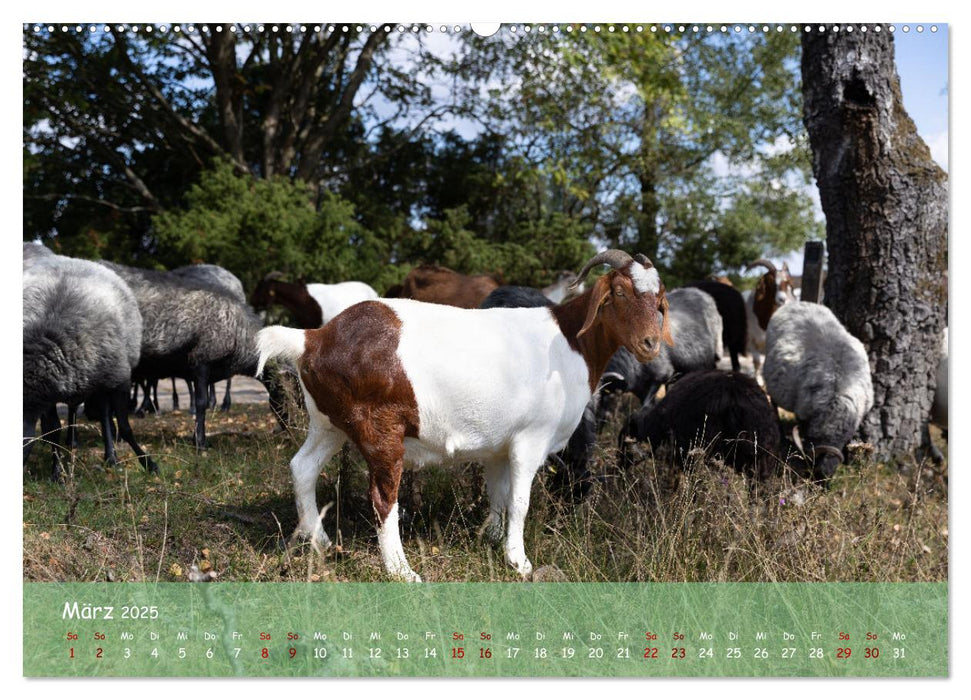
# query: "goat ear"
760, 290
601, 290
666, 322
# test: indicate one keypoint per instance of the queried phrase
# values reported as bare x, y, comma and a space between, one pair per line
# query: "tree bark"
886, 207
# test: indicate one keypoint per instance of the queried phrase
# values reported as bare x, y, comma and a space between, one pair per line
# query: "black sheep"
725, 413
731, 307
511, 297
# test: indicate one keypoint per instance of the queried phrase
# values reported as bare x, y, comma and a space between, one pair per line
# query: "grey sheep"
212, 277
215, 277
191, 330
512, 297
82, 339
817, 370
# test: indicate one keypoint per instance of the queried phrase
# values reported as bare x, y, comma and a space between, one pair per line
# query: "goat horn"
762, 261
796, 439
829, 449
617, 259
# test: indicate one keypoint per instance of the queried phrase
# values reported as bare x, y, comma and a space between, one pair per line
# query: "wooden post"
814, 256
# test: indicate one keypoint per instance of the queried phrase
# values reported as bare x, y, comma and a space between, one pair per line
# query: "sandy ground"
245, 390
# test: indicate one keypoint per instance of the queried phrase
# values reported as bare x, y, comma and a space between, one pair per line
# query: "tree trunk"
647, 234
886, 206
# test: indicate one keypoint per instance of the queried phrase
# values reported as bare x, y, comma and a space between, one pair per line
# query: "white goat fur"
334, 298
497, 386
755, 343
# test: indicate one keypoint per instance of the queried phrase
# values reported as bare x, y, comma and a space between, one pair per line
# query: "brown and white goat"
440, 285
773, 289
409, 382
312, 305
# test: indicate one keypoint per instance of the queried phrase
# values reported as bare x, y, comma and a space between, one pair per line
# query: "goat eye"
618, 292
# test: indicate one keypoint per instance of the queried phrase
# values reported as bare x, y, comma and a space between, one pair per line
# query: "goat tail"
279, 341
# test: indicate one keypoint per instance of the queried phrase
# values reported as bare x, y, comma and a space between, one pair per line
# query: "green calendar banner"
430, 630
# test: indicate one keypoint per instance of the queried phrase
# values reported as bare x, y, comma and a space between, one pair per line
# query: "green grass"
230, 510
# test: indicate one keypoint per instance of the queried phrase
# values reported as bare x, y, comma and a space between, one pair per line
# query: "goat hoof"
408, 576
524, 567
318, 540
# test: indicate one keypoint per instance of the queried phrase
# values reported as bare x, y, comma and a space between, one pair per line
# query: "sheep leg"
211, 401
322, 443
201, 382
192, 396
525, 460
30, 432
50, 426
385, 457
71, 441
107, 427
757, 367
120, 409
175, 396
148, 405
497, 487
227, 401
736, 365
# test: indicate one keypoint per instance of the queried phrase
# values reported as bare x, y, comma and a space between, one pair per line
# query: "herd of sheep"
455, 368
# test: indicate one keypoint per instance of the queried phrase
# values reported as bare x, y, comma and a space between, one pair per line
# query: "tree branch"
188, 128
337, 117
95, 200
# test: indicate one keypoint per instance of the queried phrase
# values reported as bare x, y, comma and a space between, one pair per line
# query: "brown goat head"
773, 289
626, 302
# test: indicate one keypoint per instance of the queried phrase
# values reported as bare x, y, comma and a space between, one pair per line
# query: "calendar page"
466, 350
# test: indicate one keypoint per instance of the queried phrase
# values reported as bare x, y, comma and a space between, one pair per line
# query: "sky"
922, 64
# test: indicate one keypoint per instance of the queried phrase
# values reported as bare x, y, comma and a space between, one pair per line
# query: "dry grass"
229, 511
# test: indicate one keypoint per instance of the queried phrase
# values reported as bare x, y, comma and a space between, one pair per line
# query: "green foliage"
663, 143
252, 226
688, 148
531, 256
